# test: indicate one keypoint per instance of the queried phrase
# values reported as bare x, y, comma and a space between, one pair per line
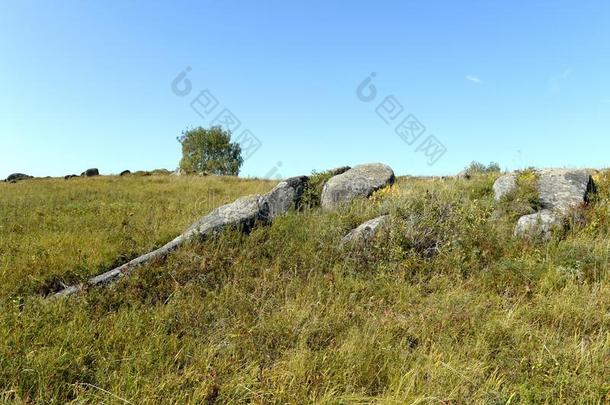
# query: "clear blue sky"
89, 83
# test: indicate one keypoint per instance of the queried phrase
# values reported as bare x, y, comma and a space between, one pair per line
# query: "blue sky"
89, 84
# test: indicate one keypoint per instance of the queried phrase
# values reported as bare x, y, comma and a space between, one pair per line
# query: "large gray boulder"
285, 196
17, 177
560, 191
504, 185
90, 173
538, 225
365, 231
563, 189
244, 213
359, 181
241, 214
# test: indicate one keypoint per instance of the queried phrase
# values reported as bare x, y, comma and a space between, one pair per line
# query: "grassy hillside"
446, 306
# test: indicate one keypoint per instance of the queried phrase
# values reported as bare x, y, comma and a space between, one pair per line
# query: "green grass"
67, 230
445, 306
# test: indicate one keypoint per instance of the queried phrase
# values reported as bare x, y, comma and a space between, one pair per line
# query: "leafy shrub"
313, 189
211, 151
479, 168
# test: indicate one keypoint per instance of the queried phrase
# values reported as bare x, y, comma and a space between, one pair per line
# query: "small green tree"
477, 167
210, 150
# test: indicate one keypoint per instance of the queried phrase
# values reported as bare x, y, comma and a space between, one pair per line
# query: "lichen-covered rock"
359, 181
504, 185
245, 212
563, 189
366, 231
242, 214
538, 225
559, 192
285, 196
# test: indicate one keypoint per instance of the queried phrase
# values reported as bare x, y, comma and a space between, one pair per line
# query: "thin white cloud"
474, 79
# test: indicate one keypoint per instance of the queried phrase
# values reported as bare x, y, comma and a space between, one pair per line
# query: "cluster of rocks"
87, 173
93, 172
15, 177
246, 212
560, 191
357, 182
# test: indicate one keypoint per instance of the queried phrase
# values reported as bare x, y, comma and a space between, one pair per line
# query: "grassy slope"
445, 306
54, 230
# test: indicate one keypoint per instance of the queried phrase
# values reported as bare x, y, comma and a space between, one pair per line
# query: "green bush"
478, 168
313, 189
210, 151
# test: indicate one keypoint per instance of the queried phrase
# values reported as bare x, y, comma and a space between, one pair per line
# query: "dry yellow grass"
445, 307
55, 230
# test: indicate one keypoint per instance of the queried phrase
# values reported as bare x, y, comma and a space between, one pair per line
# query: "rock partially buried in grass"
366, 231
560, 191
505, 185
17, 177
90, 173
242, 214
285, 196
563, 189
70, 176
538, 225
125, 173
359, 181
